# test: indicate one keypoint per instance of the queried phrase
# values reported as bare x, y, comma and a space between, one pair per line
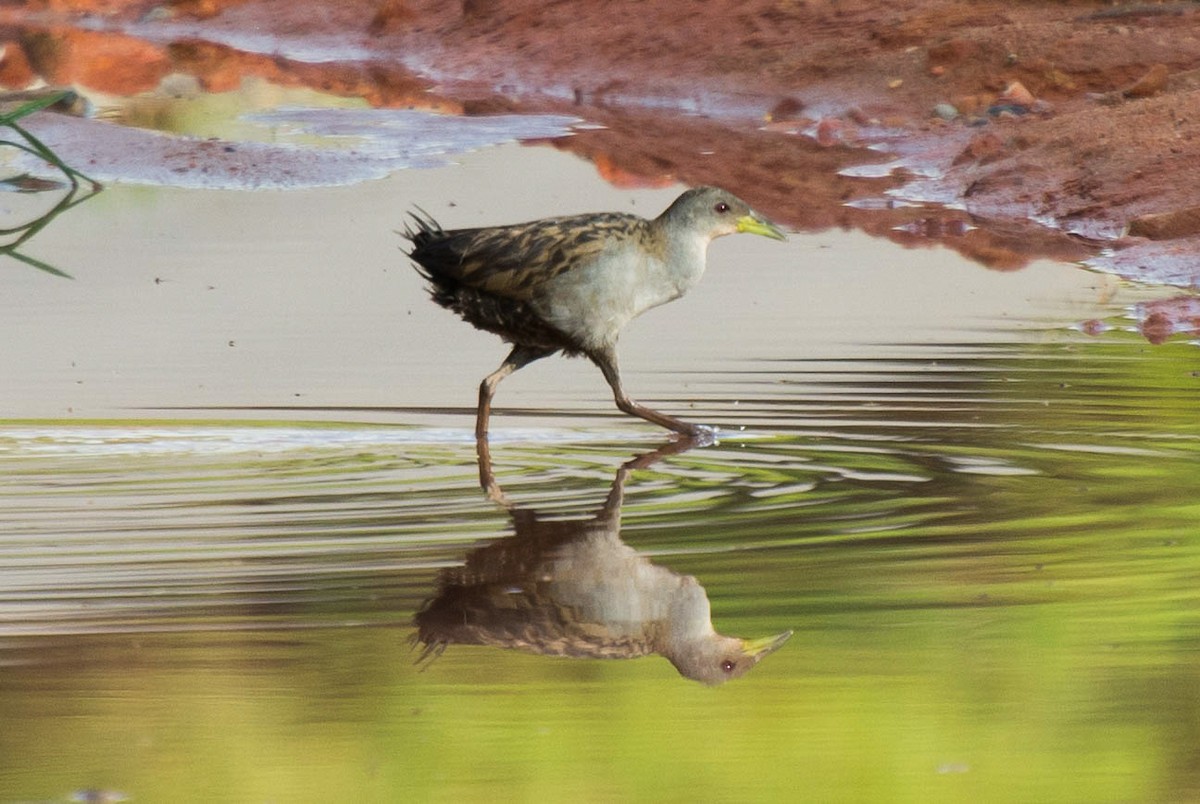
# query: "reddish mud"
1069, 130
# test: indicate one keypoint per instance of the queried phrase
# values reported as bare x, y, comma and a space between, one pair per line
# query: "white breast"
592, 303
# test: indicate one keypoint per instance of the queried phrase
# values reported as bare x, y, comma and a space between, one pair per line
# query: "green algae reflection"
991, 563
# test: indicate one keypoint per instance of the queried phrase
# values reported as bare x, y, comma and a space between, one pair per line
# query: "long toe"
701, 435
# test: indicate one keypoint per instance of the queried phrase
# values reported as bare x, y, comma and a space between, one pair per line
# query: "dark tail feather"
421, 231
426, 228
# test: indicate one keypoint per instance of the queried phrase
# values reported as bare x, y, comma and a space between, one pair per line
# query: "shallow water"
237, 463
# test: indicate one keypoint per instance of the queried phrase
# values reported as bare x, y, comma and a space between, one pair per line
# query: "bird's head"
714, 212
716, 659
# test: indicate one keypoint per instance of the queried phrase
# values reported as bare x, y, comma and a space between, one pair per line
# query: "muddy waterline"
237, 462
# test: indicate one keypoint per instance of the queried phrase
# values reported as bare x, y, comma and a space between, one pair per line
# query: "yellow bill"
758, 648
755, 224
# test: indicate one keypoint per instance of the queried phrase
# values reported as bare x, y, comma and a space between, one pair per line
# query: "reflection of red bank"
1159, 320
1084, 118
220, 68
105, 62
1167, 225
15, 70
617, 176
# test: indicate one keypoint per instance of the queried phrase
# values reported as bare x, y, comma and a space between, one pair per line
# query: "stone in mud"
480, 9
1152, 83
986, 147
1157, 328
970, 104
1167, 225
945, 111
786, 109
859, 118
1015, 94
390, 17
951, 52
830, 131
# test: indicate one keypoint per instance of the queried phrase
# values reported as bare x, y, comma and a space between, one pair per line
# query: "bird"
573, 587
570, 284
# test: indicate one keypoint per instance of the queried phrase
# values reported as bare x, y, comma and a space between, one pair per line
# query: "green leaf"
41, 266
32, 106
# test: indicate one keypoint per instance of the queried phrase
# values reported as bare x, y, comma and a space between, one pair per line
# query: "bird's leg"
487, 478
520, 356
487, 389
606, 359
676, 446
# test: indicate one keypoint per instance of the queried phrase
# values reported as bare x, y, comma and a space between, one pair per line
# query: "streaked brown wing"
514, 261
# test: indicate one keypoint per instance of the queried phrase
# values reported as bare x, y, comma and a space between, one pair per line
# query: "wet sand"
301, 306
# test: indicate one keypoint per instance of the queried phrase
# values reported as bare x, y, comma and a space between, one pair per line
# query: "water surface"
237, 463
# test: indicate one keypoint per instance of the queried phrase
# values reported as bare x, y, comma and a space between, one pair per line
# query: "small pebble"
1150, 84
946, 111
1007, 110
1017, 95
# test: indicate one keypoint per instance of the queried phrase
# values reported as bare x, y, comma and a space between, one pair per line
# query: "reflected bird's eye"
728, 664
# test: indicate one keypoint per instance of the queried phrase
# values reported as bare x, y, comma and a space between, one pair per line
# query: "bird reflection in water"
574, 588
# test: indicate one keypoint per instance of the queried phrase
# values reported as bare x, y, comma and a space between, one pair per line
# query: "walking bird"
570, 284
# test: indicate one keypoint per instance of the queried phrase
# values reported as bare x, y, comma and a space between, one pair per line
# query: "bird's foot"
487, 478
678, 445
699, 435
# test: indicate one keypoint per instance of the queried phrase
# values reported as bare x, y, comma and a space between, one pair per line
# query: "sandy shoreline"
1006, 131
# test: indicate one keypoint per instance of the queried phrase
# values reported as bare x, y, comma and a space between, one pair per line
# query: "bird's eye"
721, 207
728, 664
